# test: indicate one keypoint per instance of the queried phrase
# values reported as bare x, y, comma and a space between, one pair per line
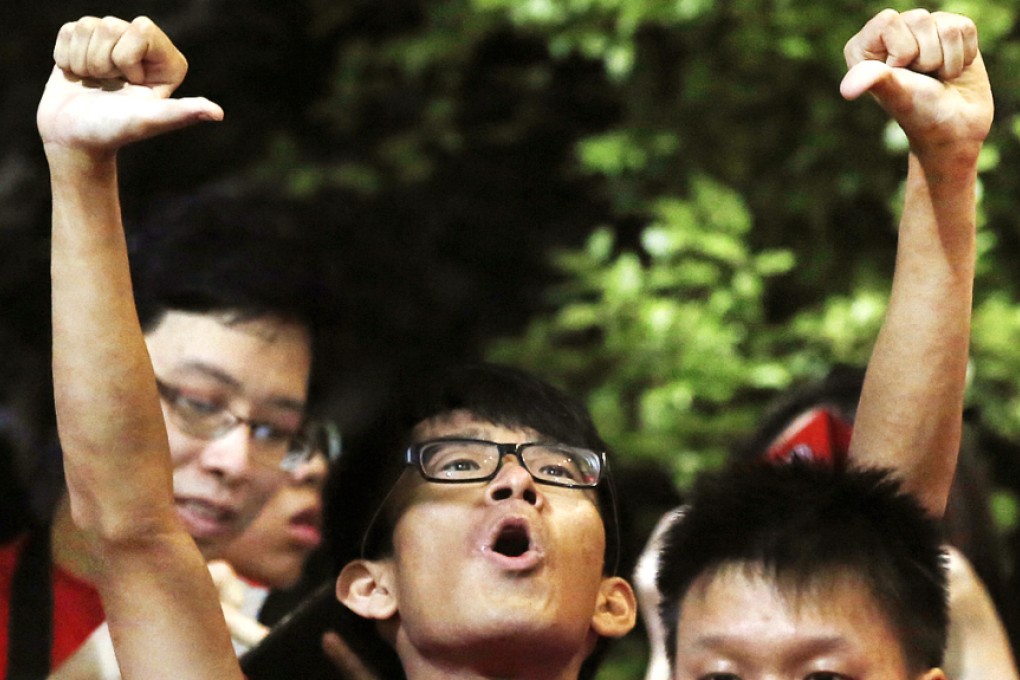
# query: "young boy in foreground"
804, 571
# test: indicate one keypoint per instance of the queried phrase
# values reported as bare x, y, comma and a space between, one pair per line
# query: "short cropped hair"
241, 254
805, 523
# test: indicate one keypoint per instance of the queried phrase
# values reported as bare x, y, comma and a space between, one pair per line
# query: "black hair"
967, 523
501, 395
241, 253
805, 523
373, 461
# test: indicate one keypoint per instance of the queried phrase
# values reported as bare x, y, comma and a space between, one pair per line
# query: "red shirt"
77, 609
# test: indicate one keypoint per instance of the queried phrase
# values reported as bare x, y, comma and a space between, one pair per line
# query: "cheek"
425, 532
425, 536
583, 534
265, 482
184, 450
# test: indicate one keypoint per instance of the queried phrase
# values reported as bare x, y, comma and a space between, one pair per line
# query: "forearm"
109, 420
116, 456
160, 603
910, 413
161, 586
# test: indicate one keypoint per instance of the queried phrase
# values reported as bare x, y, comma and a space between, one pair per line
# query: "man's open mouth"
512, 540
513, 545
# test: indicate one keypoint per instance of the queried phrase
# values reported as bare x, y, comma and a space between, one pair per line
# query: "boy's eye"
268, 432
201, 407
460, 465
720, 676
559, 471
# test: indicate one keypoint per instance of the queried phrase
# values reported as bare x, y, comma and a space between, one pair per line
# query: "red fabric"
76, 606
818, 434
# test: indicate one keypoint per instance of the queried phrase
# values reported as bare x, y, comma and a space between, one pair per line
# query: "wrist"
947, 163
75, 163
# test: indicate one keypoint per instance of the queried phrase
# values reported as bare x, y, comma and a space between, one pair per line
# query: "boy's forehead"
741, 609
787, 591
265, 324
465, 423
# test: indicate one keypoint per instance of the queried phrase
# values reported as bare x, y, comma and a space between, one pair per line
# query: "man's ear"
615, 608
366, 588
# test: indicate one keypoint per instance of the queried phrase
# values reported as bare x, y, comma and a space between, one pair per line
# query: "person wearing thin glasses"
227, 305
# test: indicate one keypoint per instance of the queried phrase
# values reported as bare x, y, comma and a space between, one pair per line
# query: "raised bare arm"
111, 86
926, 70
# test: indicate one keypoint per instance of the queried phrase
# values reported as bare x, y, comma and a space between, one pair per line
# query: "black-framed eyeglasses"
272, 445
478, 460
461, 460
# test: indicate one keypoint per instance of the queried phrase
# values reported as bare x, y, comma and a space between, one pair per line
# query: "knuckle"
951, 32
143, 24
84, 27
886, 17
916, 15
86, 24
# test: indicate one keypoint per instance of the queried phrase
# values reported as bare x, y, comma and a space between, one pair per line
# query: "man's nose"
229, 455
312, 472
514, 481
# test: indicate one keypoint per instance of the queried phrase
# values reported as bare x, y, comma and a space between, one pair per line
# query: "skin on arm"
94, 660
111, 86
925, 69
978, 645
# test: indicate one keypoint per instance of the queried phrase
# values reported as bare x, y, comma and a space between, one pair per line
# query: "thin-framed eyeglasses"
272, 444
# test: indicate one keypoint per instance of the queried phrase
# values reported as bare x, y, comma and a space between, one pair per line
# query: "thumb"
903, 93
863, 77
243, 628
228, 585
164, 115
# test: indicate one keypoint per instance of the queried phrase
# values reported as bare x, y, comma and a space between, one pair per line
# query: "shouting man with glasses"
498, 523
228, 324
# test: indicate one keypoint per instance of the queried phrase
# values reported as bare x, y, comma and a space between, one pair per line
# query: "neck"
71, 548
494, 662
532, 671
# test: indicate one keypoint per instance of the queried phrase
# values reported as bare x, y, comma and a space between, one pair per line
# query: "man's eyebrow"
219, 375
803, 651
210, 371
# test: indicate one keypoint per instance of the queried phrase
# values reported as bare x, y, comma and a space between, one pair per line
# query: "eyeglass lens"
270, 445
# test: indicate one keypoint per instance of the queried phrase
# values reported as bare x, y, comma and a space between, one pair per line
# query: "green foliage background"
767, 208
